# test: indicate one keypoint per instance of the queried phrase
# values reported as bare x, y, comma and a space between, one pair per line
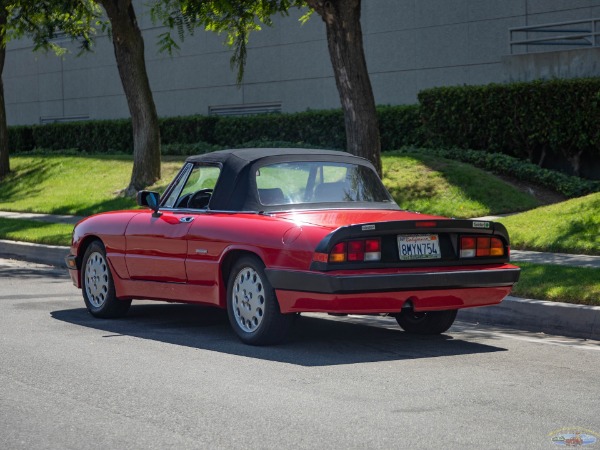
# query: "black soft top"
235, 189
253, 154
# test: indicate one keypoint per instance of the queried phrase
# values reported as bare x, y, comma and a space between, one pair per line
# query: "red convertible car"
270, 233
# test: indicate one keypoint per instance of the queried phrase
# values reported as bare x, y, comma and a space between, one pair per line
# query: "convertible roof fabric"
253, 154
236, 189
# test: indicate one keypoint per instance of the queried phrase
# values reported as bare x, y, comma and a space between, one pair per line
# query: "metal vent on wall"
566, 35
245, 110
55, 119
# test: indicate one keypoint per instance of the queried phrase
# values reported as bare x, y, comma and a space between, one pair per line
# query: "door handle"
186, 219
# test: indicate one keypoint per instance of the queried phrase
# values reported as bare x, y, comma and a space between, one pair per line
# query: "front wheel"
98, 286
252, 306
430, 322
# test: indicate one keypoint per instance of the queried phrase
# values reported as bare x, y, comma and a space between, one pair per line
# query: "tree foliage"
239, 18
236, 18
43, 22
48, 20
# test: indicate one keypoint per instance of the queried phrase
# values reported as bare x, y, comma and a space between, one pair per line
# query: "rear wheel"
430, 322
252, 305
97, 285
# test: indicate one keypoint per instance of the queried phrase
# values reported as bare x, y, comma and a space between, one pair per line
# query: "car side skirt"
169, 292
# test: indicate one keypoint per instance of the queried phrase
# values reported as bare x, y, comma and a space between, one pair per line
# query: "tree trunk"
129, 52
542, 157
575, 160
345, 42
4, 160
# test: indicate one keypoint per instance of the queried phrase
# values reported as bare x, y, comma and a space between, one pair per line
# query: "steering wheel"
183, 201
200, 199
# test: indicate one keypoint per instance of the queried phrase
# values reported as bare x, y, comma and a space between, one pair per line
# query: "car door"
157, 242
157, 246
207, 239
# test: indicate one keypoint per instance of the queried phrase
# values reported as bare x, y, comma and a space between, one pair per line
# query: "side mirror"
149, 199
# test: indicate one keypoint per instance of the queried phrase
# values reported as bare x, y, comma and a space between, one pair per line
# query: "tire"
431, 322
252, 306
97, 285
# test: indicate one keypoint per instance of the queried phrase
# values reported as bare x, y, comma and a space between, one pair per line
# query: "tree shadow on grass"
113, 204
474, 185
35, 231
313, 341
24, 184
27, 182
575, 233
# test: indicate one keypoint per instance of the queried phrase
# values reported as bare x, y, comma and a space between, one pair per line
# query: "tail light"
426, 224
359, 250
471, 247
372, 250
338, 253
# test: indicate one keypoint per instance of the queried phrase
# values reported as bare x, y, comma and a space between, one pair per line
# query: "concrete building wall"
557, 64
410, 45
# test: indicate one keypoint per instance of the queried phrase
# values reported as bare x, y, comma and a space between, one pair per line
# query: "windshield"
299, 182
194, 187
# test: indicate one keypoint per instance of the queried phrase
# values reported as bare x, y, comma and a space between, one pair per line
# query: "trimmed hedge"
187, 130
400, 125
320, 128
500, 164
107, 136
531, 120
20, 138
99, 136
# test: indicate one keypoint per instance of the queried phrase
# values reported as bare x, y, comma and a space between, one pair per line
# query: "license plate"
419, 246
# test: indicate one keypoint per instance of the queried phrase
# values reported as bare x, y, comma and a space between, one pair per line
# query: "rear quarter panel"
216, 240
278, 242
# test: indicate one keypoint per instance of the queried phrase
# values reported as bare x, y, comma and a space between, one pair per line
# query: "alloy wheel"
248, 298
96, 279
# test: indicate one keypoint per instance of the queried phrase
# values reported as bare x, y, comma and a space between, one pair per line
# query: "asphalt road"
175, 376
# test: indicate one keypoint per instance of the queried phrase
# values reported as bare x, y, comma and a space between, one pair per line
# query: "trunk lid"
336, 218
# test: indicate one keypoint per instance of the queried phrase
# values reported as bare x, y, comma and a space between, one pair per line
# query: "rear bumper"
325, 283
387, 293
389, 302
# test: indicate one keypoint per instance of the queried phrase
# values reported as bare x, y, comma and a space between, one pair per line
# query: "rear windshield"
293, 183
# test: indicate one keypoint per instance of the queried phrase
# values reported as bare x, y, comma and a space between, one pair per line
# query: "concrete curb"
49, 218
53, 255
566, 319
559, 259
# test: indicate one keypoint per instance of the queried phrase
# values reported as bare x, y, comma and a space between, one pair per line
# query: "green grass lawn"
572, 226
579, 285
84, 185
35, 231
434, 185
79, 185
